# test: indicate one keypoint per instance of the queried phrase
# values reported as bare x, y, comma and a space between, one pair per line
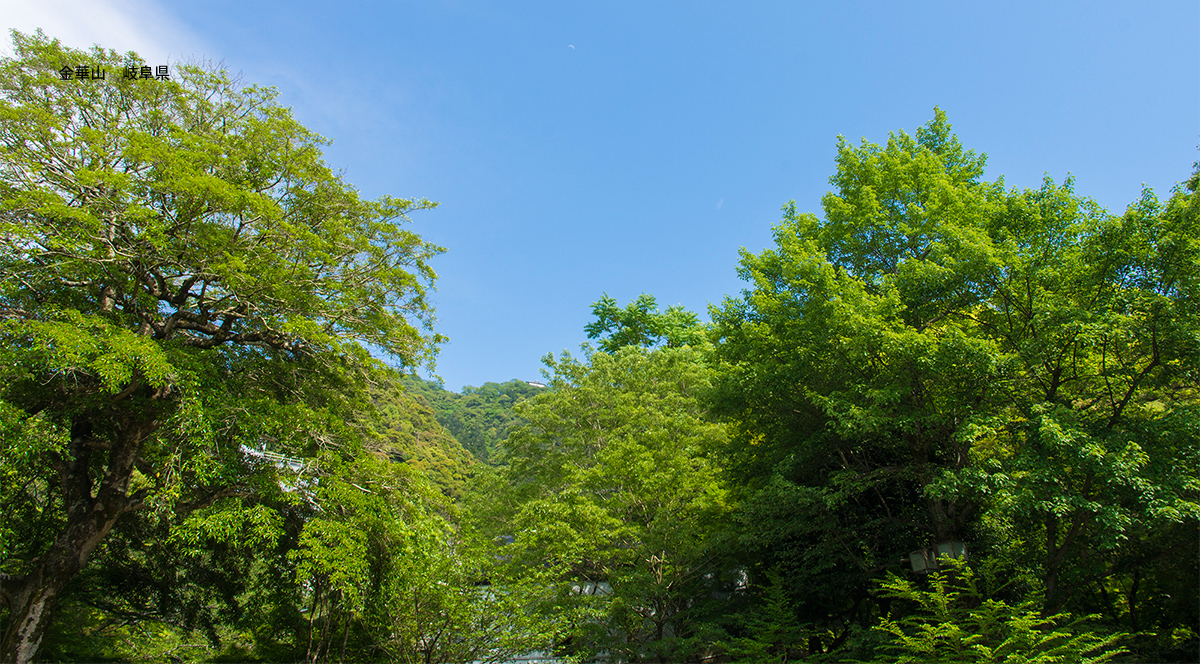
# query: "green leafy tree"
940, 358
444, 604
610, 498
372, 521
641, 324
180, 276
851, 372
150, 594
1093, 458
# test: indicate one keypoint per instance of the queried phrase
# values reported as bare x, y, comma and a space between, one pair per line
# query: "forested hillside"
944, 421
479, 418
410, 433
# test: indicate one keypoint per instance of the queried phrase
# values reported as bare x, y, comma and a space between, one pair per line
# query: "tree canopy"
608, 498
202, 459
181, 277
942, 359
641, 324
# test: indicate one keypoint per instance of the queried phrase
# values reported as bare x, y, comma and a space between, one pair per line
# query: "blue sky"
620, 147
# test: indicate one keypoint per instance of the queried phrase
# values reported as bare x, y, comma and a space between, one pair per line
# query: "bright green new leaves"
200, 211
610, 496
910, 217
385, 576
850, 362
938, 348
1099, 319
440, 608
955, 622
72, 345
181, 278
366, 515
641, 324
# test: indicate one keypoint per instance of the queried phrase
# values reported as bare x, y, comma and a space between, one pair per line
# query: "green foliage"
1101, 322
118, 195
610, 496
955, 622
774, 632
444, 605
409, 432
640, 324
944, 359
84, 634
371, 518
328, 576
216, 582
181, 277
480, 418
851, 369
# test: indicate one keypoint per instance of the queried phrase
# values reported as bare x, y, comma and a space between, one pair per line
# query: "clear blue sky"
628, 147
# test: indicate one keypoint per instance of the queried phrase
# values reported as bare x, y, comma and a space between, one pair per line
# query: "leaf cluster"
954, 622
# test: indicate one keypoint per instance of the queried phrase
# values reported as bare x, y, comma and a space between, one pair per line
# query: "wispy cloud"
123, 25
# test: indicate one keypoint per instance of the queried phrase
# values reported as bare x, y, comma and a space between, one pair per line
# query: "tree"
850, 370
940, 358
1098, 317
181, 276
641, 324
372, 538
609, 498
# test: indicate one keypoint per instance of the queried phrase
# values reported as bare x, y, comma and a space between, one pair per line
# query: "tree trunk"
32, 597
29, 612
35, 596
27, 624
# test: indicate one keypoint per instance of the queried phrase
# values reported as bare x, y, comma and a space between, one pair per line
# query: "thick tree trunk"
33, 597
29, 612
24, 635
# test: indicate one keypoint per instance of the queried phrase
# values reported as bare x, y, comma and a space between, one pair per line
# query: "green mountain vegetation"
479, 418
409, 432
609, 485
944, 421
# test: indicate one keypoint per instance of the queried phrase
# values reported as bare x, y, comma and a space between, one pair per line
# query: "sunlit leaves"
954, 621
941, 358
641, 324
183, 278
612, 481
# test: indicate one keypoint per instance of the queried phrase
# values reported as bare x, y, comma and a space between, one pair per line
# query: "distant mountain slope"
479, 418
412, 433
